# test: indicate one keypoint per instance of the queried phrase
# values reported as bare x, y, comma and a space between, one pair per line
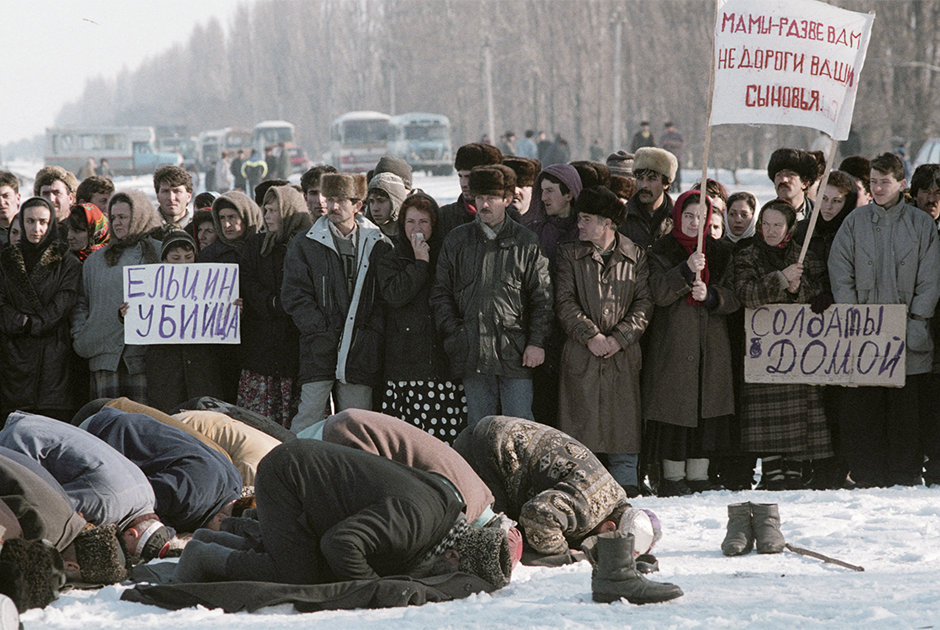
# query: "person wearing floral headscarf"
89, 230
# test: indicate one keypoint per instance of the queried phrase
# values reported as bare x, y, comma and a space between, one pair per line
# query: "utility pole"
618, 81
488, 82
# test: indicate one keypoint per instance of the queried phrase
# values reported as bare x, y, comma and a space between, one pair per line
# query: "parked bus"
210, 144
358, 140
129, 150
422, 140
272, 132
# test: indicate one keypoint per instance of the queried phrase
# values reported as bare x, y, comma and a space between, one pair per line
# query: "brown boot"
740, 537
765, 521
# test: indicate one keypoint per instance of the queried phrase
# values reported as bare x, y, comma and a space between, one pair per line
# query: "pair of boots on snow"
617, 572
750, 523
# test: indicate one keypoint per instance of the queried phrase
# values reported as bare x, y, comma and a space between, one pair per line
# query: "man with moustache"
793, 171
925, 190
330, 291
492, 300
526, 170
649, 210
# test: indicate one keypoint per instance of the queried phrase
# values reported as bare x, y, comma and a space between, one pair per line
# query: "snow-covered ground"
893, 533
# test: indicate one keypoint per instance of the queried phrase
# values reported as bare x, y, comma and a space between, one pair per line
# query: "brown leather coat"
599, 399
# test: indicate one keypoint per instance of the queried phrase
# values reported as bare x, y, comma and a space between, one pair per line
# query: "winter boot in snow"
740, 537
615, 576
765, 521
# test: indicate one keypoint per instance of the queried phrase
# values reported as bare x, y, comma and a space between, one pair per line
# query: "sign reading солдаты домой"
191, 303
847, 344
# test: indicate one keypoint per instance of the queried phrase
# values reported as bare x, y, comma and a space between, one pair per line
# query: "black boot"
615, 576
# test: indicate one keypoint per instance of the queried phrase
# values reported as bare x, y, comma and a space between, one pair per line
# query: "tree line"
552, 69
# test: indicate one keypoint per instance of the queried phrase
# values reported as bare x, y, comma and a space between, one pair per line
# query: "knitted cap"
389, 164
175, 238
620, 163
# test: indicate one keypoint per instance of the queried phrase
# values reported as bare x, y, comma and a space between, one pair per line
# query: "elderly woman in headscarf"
88, 230
236, 217
97, 327
386, 192
417, 385
39, 284
270, 340
687, 390
783, 423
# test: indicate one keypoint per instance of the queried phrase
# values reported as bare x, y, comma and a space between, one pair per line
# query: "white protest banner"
788, 62
847, 344
181, 304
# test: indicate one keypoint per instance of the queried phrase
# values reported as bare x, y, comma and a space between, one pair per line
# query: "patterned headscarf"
97, 226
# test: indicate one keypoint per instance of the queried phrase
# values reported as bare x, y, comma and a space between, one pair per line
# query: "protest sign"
181, 304
847, 344
788, 62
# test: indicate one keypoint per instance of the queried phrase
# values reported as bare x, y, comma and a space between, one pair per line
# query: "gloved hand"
821, 302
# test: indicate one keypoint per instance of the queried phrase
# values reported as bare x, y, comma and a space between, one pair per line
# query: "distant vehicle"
422, 140
929, 153
358, 140
210, 144
270, 132
129, 150
179, 144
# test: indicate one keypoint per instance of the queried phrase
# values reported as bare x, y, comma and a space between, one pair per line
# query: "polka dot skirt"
440, 408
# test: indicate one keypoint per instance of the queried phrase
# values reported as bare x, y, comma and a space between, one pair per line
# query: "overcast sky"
51, 47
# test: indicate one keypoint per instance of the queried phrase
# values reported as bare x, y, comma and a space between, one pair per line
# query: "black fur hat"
33, 573
592, 173
476, 154
601, 201
493, 180
622, 186
526, 169
800, 162
101, 554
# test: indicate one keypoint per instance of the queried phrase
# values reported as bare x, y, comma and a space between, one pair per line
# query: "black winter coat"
491, 299
643, 229
330, 513
411, 340
35, 364
270, 340
315, 294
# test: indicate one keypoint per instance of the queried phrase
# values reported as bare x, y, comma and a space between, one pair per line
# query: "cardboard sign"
847, 344
181, 304
788, 62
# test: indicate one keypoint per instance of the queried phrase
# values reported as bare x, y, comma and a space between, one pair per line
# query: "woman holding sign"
687, 390
782, 422
39, 283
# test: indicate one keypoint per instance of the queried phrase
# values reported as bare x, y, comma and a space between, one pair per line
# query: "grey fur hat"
658, 160
344, 186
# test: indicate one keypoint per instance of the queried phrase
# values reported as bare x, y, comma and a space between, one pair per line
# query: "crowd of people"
567, 311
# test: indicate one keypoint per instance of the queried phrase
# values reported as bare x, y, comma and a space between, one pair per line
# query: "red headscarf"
690, 243
99, 231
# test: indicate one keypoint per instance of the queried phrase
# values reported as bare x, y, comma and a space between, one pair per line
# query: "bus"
210, 144
271, 133
129, 150
358, 140
422, 140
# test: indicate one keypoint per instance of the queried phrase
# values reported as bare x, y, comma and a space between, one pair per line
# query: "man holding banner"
888, 252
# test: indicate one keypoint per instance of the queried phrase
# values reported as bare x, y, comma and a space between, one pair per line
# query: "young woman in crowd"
88, 230
741, 219
39, 285
783, 423
417, 388
687, 388
97, 329
270, 340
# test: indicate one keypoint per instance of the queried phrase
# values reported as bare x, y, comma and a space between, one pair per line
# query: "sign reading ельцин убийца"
186, 303
847, 344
